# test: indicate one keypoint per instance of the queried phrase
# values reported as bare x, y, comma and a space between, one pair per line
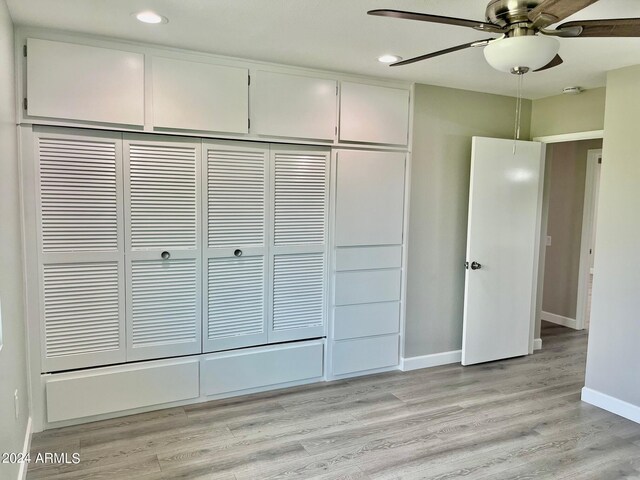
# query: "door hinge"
24, 50
600, 160
25, 103
336, 130
336, 89
248, 79
248, 124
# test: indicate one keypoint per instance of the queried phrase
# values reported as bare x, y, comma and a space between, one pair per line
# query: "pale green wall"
445, 119
13, 374
613, 357
568, 113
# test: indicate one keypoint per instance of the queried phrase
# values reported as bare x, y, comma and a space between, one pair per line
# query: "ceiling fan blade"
557, 60
479, 43
553, 11
424, 17
615, 27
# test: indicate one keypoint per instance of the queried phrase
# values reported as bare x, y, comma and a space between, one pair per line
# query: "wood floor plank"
520, 418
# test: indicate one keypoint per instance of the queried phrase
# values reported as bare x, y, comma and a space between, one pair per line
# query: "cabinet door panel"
200, 96
300, 203
80, 241
162, 188
373, 114
235, 232
235, 303
294, 106
78, 82
369, 198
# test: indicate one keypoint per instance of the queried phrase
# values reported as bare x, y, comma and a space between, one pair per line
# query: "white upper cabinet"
373, 114
78, 82
294, 106
200, 96
369, 198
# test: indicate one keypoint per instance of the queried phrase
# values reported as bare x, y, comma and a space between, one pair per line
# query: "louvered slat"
163, 308
298, 291
235, 197
300, 198
235, 297
78, 194
162, 195
81, 308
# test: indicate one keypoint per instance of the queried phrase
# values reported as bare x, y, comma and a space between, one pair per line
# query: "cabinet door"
200, 96
294, 106
235, 208
373, 114
78, 82
369, 198
163, 265
79, 193
300, 207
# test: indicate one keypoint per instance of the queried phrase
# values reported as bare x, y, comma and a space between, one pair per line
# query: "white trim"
611, 404
22, 473
570, 137
559, 320
586, 239
433, 360
537, 344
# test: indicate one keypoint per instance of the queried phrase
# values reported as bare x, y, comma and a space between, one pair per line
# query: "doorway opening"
569, 223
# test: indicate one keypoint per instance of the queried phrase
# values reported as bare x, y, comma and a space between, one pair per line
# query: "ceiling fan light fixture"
389, 58
521, 54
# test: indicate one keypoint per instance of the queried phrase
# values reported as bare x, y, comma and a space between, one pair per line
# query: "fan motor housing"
509, 12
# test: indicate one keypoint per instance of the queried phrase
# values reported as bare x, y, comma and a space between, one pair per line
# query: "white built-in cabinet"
199, 96
163, 245
373, 114
368, 238
80, 82
295, 106
154, 246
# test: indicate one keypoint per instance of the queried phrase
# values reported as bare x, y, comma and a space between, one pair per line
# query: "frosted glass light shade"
531, 51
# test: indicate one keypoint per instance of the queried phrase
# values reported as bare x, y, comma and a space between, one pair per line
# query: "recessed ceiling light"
150, 17
389, 58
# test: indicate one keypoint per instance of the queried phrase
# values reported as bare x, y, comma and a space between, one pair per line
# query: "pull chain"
516, 127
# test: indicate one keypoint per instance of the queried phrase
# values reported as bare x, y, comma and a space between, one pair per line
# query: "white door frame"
594, 157
566, 137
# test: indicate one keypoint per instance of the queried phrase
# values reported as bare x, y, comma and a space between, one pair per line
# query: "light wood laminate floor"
515, 419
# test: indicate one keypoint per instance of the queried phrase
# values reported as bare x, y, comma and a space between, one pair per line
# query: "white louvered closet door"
162, 198
235, 265
300, 180
80, 245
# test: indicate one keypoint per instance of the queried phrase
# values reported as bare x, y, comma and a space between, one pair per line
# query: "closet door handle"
238, 252
165, 255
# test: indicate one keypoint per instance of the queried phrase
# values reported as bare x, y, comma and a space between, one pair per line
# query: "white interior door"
505, 200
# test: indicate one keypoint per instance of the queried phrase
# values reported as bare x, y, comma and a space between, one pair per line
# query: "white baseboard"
611, 404
433, 360
22, 473
559, 320
537, 344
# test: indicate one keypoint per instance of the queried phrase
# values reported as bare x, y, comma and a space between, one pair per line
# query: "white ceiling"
338, 35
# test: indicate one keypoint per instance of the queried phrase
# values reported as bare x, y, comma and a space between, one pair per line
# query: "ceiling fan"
525, 44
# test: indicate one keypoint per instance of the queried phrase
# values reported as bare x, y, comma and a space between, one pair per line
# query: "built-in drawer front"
368, 258
116, 389
260, 367
350, 356
352, 321
367, 287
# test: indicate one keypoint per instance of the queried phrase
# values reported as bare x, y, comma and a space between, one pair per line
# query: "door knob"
238, 253
475, 266
165, 255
